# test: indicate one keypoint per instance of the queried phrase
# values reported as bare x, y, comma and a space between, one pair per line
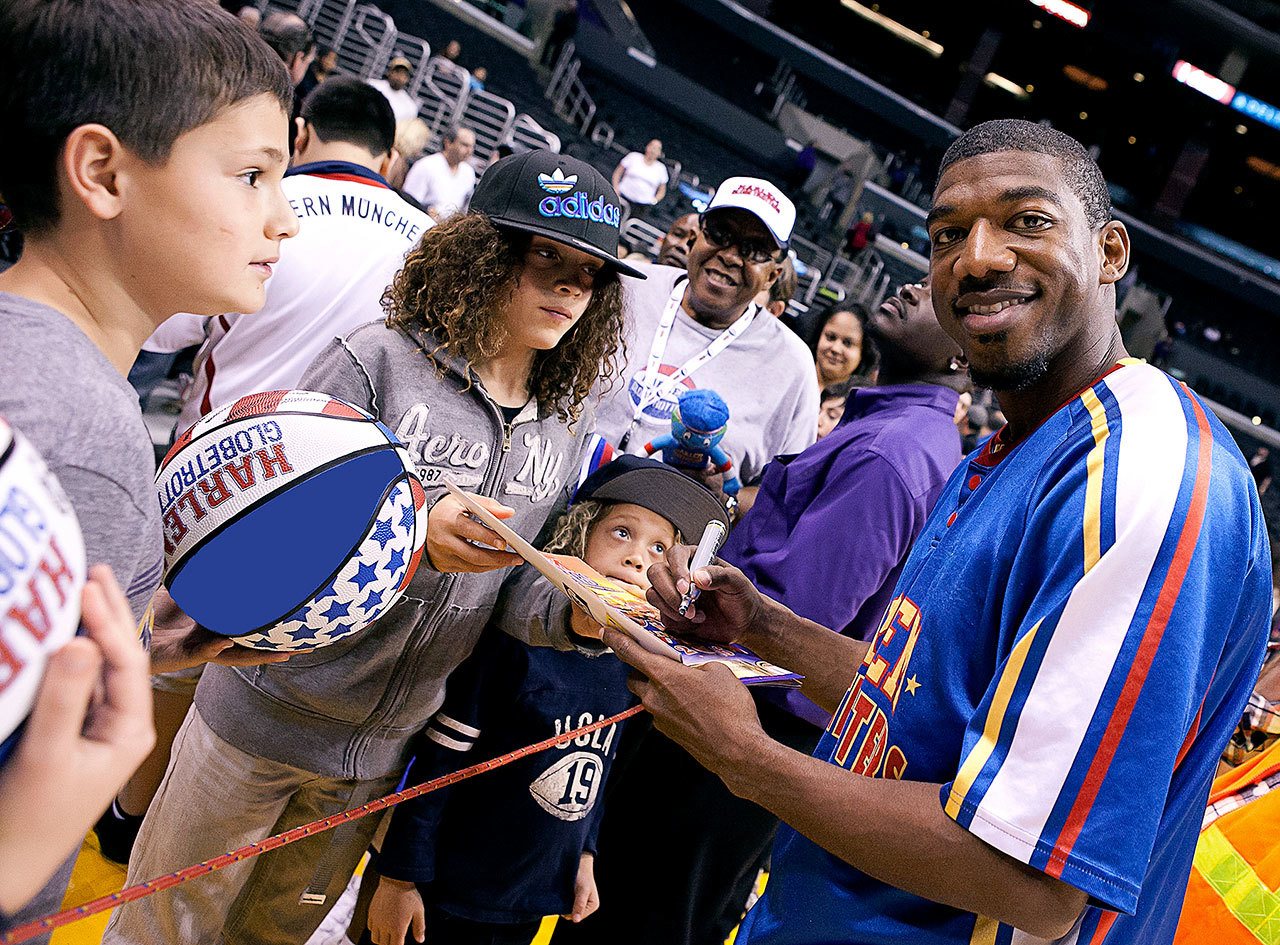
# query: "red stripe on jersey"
256, 404
1191, 735
336, 408
1156, 626
1104, 926
353, 178
209, 369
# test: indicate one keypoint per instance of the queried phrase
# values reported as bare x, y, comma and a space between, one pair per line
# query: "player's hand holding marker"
727, 609
705, 709
453, 535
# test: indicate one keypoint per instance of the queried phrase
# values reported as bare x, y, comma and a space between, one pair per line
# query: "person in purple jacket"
827, 537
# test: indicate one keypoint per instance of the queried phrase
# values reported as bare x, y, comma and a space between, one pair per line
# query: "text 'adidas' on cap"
556, 196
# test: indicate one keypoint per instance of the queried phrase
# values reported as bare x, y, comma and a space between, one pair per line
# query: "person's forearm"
746, 499
897, 832
37, 834
827, 660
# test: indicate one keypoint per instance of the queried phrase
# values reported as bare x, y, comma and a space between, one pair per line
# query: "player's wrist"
746, 757
765, 632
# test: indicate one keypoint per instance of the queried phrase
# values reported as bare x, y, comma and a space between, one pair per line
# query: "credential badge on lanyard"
651, 390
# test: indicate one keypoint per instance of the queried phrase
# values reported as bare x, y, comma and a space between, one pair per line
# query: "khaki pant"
215, 798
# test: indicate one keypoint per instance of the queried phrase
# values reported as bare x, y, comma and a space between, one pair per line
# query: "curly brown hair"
573, 528
454, 285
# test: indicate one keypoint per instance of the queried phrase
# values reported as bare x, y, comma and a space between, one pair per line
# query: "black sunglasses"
752, 250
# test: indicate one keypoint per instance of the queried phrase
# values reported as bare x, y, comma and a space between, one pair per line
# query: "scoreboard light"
1204, 82
1064, 10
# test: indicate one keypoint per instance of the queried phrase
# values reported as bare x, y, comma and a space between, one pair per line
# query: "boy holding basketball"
486, 860
141, 190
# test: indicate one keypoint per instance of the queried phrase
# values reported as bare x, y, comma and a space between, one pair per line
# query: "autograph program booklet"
612, 605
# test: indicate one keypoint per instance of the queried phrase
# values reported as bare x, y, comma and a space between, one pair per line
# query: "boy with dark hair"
353, 234
142, 191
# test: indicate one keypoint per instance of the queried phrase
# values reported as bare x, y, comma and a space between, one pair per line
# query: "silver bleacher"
366, 39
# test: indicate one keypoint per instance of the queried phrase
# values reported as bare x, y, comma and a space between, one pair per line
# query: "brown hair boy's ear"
92, 162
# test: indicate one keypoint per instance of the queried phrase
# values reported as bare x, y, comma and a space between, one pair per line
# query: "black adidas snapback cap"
556, 196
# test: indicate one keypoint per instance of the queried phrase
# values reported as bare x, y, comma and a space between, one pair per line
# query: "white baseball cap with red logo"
760, 198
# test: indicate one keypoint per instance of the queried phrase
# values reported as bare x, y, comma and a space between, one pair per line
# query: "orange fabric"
1254, 832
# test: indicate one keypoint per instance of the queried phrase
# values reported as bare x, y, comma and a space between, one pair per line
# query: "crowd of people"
1025, 577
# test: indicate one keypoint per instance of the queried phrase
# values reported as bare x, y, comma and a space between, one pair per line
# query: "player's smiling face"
209, 220
553, 291
1017, 273
626, 540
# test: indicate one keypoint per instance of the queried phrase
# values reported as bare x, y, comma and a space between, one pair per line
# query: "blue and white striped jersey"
1071, 643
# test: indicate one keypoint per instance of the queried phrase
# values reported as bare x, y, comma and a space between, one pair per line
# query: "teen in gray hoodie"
499, 325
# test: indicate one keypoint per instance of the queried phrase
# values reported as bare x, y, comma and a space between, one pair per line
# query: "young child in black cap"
483, 861
498, 325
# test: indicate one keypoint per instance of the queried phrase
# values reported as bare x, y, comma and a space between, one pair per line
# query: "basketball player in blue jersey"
1022, 753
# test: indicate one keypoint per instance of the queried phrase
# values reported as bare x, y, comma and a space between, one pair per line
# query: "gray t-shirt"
83, 417
765, 376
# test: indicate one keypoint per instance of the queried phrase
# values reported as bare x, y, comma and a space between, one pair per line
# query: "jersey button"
974, 482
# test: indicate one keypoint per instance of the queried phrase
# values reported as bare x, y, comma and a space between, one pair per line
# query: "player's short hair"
1080, 170
345, 109
287, 33
150, 70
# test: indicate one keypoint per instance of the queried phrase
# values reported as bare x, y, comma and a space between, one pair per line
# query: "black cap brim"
559, 237
686, 504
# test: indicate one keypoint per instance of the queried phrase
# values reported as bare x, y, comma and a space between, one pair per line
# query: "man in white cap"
395, 88
702, 329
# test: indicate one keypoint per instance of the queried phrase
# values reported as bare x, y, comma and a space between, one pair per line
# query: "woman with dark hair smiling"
838, 348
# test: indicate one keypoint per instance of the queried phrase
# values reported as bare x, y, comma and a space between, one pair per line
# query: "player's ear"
1113, 245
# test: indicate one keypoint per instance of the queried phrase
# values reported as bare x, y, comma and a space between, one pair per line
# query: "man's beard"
1010, 377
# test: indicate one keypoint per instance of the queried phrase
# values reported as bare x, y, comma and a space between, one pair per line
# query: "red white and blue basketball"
42, 574
291, 520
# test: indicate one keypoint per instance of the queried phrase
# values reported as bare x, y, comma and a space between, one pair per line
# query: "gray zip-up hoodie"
348, 710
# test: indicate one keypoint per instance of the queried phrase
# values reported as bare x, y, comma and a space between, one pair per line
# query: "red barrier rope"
31, 929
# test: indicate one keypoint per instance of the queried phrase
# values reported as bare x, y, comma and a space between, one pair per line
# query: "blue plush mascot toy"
697, 426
